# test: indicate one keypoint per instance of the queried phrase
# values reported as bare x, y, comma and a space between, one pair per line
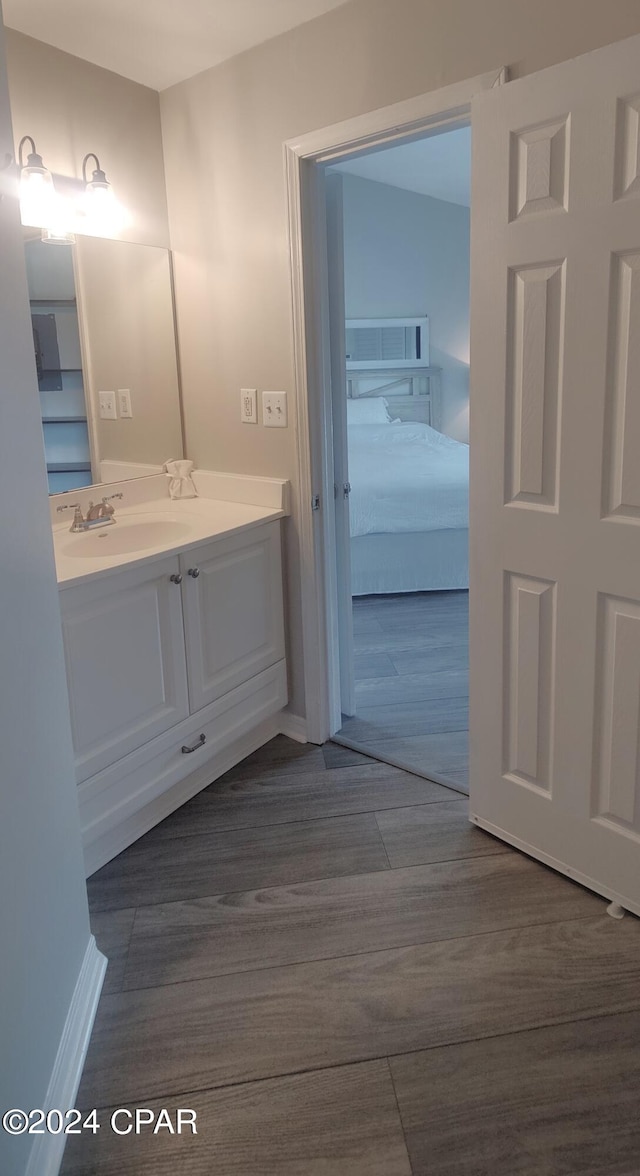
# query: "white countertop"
190, 522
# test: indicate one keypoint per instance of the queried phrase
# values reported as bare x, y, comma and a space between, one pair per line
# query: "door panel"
233, 612
621, 474
124, 650
617, 713
528, 696
555, 482
536, 303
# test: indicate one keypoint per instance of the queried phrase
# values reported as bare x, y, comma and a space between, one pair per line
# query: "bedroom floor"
343, 977
412, 681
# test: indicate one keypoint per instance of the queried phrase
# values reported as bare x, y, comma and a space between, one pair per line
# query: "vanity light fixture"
37, 193
66, 205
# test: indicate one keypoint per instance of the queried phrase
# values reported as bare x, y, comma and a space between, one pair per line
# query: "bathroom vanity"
173, 634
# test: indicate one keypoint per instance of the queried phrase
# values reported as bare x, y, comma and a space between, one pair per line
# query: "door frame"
305, 159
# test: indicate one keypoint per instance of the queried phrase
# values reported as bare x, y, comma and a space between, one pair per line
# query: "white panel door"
555, 467
126, 669
233, 612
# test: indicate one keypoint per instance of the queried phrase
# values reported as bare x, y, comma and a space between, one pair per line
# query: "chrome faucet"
100, 515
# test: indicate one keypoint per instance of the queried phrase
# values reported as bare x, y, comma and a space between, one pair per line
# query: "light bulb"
99, 199
100, 205
61, 222
37, 193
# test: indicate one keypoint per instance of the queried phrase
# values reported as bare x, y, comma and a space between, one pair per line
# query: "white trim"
85, 359
556, 864
314, 618
294, 726
401, 120
337, 527
272, 493
308, 262
46, 1154
111, 470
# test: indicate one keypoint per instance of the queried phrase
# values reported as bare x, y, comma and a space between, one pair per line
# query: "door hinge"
346, 489
315, 502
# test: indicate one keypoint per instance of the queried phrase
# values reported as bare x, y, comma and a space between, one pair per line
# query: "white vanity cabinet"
233, 621
171, 667
126, 666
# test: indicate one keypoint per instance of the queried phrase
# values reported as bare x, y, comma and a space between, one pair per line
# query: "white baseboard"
294, 726
47, 1151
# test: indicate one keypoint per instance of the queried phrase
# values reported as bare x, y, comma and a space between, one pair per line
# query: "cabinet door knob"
201, 741
176, 578
195, 572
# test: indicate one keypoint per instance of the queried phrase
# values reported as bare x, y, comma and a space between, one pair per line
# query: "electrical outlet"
274, 410
249, 406
124, 402
107, 406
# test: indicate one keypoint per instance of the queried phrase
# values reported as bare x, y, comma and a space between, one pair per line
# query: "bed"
409, 510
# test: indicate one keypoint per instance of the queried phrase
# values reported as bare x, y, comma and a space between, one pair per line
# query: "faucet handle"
79, 522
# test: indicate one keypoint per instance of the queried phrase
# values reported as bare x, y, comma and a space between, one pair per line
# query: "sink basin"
123, 537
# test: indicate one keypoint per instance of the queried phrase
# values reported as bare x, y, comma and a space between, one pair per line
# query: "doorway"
321, 421
398, 256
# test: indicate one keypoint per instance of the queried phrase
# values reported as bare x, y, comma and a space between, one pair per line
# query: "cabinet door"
232, 611
126, 672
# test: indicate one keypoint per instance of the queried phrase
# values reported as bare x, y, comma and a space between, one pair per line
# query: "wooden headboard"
413, 394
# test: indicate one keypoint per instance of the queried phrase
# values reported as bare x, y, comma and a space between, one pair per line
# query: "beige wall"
223, 134
71, 107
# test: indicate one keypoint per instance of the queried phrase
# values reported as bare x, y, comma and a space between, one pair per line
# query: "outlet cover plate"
249, 406
124, 402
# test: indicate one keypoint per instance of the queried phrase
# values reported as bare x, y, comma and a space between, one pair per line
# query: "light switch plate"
274, 410
124, 402
249, 406
107, 406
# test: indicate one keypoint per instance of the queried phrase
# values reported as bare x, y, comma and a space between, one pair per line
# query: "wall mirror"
103, 322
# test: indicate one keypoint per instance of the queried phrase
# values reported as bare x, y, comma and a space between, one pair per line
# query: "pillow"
368, 410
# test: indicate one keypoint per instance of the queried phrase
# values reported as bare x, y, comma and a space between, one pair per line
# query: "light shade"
58, 236
37, 193
100, 205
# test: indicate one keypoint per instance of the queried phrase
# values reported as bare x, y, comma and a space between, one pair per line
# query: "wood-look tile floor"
412, 681
342, 976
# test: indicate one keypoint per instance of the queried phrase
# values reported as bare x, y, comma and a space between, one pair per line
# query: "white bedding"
406, 477
418, 561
